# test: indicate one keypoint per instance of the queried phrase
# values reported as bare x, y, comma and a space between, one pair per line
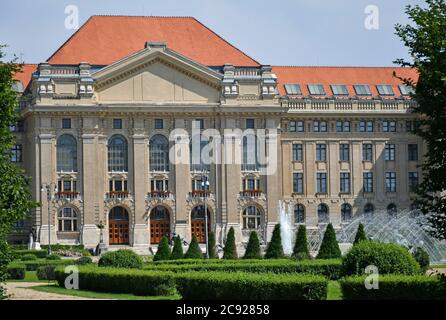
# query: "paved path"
23, 291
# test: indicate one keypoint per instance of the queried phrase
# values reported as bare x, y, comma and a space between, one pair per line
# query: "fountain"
286, 226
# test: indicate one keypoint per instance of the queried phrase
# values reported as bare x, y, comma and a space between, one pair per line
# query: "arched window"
66, 154
346, 212
67, 220
159, 153
118, 154
251, 218
322, 213
159, 213
369, 210
391, 210
299, 213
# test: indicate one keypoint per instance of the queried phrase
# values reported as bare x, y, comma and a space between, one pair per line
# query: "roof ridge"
227, 42
346, 67
138, 16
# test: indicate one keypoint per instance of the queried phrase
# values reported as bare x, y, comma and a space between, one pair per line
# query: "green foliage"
116, 280
35, 264
253, 247
422, 257
46, 272
275, 249
328, 268
248, 286
230, 249
16, 271
83, 261
329, 247
394, 287
212, 249
177, 251
53, 256
28, 257
389, 258
122, 258
40, 254
194, 251
163, 252
300, 250
360, 234
424, 36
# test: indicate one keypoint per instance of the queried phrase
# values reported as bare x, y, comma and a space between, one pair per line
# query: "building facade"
107, 122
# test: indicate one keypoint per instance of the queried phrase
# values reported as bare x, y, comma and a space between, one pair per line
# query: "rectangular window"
321, 183
316, 89
368, 181
297, 152
298, 182
362, 90
413, 181
389, 126
66, 186
66, 123
321, 152
250, 123
344, 152
339, 89
367, 152
385, 90
297, 126
117, 123
319, 126
345, 182
342, 126
159, 124
389, 152
366, 126
390, 181
17, 153
413, 152
293, 89
406, 90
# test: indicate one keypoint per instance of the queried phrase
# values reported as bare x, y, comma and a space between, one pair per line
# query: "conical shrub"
177, 251
194, 251
275, 249
360, 234
329, 248
253, 247
300, 250
163, 252
230, 250
212, 250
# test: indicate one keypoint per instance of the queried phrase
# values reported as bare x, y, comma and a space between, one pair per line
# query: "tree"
360, 234
230, 249
15, 197
425, 38
163, 252
329, 247
211, 246
253, 247
177, 251
275, 249
194, 251
300, 250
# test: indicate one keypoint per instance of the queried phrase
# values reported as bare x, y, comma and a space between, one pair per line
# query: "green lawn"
438, 266
99, 295
334, 291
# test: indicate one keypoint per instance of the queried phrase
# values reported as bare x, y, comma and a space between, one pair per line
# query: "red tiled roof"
348, 76
25, 75
103, 40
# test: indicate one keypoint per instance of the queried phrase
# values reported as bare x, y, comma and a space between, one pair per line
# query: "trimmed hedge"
118, 280
198, 285
328, 268
28, 257
389, 258
122, 258
249, 286
40, 254
16, 271
34, 265
395, 287
46, 272
83, 261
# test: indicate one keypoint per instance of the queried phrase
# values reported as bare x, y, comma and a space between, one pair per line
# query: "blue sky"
279, 32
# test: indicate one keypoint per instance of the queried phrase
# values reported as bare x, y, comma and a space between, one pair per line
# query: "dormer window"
362, 90
293, 89
316, 89
385, 90
339, 89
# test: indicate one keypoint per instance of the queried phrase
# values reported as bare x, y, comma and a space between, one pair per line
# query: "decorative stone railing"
157, 195
67, 195
117, 195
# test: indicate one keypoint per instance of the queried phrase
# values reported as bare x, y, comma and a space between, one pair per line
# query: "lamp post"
205, 185
48, 188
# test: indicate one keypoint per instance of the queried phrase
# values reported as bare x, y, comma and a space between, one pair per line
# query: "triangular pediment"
157, 74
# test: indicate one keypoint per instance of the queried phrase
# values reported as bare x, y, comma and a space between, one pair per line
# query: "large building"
96, 126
